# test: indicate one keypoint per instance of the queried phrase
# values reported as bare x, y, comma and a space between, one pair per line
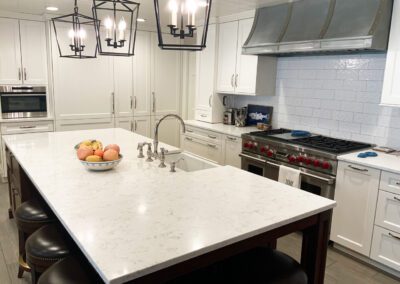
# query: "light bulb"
108, 23
173, 6
82, 33
71, 33
122, 25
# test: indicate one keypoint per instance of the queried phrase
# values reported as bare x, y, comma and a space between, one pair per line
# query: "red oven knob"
317, 163
326, 165
270, 153
300, 159
308, 161
263, 149
247, 145
292, 159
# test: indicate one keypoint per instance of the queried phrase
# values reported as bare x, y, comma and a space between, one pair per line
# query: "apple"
99, 153
114, 147
110, 155
83, 153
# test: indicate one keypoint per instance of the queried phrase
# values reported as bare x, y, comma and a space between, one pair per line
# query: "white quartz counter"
222, 128
385, 162
138, 218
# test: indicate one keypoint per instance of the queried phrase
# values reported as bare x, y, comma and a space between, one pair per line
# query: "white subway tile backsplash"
336, 95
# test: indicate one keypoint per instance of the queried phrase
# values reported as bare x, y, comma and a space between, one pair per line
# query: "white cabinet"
243, 74
208, 106
169, 130
22, 52
386, 247
123, 86
84, 124
124, 123
204, 149
233, 147
142, 126
142, 74
33, 52
166, 80
356, 194
388, 211
391, 83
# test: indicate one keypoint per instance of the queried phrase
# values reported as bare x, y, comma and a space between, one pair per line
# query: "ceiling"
37, 7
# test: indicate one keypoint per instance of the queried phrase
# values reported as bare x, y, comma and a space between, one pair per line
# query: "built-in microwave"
23, 101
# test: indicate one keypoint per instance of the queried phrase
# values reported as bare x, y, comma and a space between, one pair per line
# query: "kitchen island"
141, 222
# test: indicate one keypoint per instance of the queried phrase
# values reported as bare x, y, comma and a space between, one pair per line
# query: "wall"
336, 95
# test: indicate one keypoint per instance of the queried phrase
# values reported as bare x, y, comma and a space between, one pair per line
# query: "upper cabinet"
23, 52
123, 86
391, 83
243, 74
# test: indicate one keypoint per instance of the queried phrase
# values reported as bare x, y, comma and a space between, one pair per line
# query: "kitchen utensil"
229, 117
240, 117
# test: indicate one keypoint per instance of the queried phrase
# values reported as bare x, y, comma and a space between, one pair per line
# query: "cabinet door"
391, 82
123, 86
356, 195
206, 71
33, 50
83, 89
142, 126
169, 130
388, 211
124, 123
233, 147
10, 52
84, 124
141, 74
386, 247
203, 149
227, 52
166, 79
246, 67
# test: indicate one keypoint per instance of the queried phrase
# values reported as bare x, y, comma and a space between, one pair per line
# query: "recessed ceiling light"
141, 20
51, 8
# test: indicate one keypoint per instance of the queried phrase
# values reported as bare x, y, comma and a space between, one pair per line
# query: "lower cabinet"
124, 123
233, 147
142, 126
353, 219
84, 124
386, 247
204, 149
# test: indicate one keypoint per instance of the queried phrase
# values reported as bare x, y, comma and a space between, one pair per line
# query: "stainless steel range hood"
308, 26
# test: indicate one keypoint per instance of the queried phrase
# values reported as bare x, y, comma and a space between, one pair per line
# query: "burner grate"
332, 145
271, 132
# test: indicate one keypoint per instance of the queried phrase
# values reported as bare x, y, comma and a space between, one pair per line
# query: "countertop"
222, 128
385, 162
138, 218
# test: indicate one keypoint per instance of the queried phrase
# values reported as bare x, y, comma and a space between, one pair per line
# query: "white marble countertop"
138, 218
385, 162
222, 128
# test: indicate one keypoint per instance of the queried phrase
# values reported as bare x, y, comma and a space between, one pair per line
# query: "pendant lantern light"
182, 24
116, 26
75, 35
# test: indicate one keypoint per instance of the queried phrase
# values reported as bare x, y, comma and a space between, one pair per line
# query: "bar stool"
29, 217
45, 247
69, 270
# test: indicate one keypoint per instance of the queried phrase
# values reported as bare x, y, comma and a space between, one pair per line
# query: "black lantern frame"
77, 20
182, 31
104, 43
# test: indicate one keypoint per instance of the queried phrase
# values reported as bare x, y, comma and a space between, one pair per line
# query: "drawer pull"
396, 198
398, 183
189, 130
231, 138
358, 169
212, 146
189, 139
203, 115
393, 236
28, 127
212, 137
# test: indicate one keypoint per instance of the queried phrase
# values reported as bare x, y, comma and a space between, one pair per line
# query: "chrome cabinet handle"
27, 127
393, 236
189, 130
19, 74
358, 169
396, 198
188, 139
236, 80
154, 101
113, 102
212, 146
131, 103
212, 137
203, 115
232, 78
398, 183
252, 158
25, 76
231, 138
209, 101
134, 102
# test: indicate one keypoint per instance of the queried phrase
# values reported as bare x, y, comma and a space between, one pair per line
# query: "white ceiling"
37, 7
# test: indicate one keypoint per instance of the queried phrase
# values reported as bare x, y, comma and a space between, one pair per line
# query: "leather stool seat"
258, 266
30, 216
66, 271
45, 247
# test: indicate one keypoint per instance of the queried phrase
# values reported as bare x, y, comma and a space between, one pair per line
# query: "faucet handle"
149, 153
140, 148
162, 158
173, 166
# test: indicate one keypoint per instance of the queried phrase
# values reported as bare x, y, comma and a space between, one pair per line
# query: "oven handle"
252, 158
13, 95
327, 180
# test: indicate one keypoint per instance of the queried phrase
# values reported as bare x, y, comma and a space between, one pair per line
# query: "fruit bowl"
102, 166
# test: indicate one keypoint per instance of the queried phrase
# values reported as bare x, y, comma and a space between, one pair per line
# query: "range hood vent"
309, 26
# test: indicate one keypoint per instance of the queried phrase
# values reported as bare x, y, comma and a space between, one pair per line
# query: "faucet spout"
155, 141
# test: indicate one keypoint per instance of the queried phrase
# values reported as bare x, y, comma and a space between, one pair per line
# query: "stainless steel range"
314, 155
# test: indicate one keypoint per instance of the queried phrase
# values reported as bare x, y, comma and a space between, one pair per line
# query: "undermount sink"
188, 163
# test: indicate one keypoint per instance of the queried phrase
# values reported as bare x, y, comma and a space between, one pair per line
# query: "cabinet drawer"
233, 147
203, 134
386, 247
204, 149
26, 127
390, 182
203, 115
388, 211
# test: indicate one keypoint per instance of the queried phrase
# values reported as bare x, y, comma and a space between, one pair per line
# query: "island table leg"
315, 248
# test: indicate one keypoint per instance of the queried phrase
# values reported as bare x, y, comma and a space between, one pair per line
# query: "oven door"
254, 165
23, 105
